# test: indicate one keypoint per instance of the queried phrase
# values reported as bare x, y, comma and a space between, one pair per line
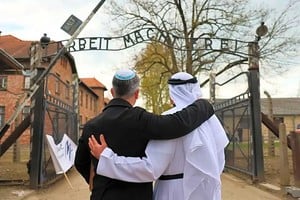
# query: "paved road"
233, 189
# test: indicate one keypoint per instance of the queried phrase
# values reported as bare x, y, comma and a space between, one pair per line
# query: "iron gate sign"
151, 34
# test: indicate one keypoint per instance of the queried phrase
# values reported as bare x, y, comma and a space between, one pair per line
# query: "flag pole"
68, 180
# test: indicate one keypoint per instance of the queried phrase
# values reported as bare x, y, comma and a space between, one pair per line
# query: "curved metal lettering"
225, 45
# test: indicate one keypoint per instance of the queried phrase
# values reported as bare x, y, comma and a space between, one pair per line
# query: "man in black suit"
126, 126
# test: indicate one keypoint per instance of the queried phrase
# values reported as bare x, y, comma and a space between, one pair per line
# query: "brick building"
16, 80
18, 68
91, 99
12, 83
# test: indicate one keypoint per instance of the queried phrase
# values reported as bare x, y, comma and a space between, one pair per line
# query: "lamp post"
254, 85
253, 49
37, 124
44, 40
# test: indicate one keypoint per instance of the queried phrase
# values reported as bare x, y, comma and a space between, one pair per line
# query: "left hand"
96, 148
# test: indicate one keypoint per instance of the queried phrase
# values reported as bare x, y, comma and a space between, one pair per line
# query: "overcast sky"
30, 19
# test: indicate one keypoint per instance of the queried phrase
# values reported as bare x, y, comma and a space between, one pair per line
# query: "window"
298, 127
57, 84
81, 97
86, 100
2, 115
80, 119
3, 82
95, 105
91, 102
67, 90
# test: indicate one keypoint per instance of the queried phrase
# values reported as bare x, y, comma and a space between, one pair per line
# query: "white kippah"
124, 74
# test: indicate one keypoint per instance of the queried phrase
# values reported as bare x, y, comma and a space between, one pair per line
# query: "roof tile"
93, 83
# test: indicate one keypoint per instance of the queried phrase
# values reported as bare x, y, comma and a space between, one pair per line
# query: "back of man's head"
125, 83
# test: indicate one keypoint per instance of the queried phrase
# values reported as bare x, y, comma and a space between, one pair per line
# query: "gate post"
37, 135
284, 161
75, 117
254, 85
295, 136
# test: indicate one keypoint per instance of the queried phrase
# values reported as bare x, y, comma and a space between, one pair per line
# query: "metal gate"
53, 116
241, 118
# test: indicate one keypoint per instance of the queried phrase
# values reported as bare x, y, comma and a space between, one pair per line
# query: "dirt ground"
18, 172
16, 190
233, 188
272, 168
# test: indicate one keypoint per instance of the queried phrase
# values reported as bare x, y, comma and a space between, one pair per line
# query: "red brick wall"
62, 70
15, 84
10, 99
86, 110
62, 75
100, 93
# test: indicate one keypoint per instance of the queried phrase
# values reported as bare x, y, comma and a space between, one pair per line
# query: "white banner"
62, 154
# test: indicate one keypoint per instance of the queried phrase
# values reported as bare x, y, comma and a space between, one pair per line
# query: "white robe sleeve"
159, 153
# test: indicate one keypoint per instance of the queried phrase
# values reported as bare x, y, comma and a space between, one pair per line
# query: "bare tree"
190, 20
185, 26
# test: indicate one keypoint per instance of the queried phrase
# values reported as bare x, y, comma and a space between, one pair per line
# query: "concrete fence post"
295, 143
283, 156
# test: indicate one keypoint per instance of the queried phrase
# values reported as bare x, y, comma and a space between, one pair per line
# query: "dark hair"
125, 88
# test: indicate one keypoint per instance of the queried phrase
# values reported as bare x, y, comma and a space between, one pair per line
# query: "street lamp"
262, 30
253, 50
44, 40
254, 84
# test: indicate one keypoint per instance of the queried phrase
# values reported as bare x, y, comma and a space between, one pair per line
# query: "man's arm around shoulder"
180, 123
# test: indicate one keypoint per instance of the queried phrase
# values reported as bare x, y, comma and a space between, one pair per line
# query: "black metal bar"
254, 85
4, 129
273, 128
37, 137
14, 135
221, 84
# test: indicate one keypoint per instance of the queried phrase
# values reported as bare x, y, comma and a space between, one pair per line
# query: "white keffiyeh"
204, 147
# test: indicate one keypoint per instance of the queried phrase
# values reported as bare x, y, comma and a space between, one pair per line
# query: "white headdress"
184, 89
204, 147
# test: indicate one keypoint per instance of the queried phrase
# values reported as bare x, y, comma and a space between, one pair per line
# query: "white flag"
62, 154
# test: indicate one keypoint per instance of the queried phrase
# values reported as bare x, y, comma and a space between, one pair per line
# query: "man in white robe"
186, 168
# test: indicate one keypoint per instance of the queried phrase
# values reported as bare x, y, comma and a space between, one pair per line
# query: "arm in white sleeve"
159, 153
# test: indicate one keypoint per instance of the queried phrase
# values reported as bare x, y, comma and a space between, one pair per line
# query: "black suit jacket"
127, 131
